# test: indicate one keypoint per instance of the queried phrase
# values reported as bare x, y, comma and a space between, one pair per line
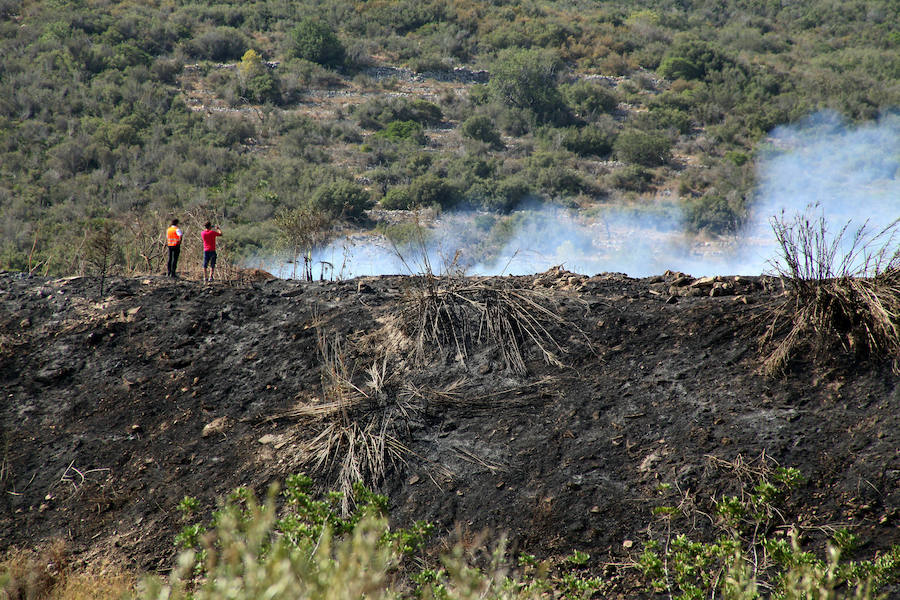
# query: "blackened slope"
105, 406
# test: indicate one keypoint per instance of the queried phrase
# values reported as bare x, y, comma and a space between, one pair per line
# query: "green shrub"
378, 112
748, 549
483, 129
715, 213
663, 118
551, 174
527, 79
509, 193
316, 42
589, 99
589, 141
633, 178
341, 199
397, 198
431, 190
678, 67
649, 149
397, 131
220, 44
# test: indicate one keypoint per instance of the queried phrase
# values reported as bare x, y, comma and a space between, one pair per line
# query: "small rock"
267, 439
595, 509
627, 544
413, 480
702, 282
217, 425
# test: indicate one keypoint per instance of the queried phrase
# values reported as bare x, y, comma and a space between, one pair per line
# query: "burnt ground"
114, 409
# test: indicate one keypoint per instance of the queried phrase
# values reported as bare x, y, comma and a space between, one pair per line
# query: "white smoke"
850, 174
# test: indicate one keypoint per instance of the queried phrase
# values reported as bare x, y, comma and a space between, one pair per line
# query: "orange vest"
172, 237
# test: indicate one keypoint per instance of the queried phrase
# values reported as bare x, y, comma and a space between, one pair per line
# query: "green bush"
378, 112
509, 193
397, 198
715, 213
220, 44
678, 67
633, 178
649, 149
430, 190
589, 141
341, 199
397, 131
316, 42
663, 118
527, 79
589, 99
483, 129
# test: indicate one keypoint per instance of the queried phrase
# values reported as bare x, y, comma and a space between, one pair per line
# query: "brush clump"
842, 292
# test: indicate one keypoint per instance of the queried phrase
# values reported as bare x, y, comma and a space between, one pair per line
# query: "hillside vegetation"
256, 113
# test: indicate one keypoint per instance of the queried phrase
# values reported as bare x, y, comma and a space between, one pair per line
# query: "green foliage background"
94, 123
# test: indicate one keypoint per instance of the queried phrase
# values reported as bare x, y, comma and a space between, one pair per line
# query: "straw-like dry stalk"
456, 316
841, 294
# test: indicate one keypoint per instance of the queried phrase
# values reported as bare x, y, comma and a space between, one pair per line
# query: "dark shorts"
209, 258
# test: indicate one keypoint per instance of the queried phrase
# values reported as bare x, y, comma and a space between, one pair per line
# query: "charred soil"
114, 409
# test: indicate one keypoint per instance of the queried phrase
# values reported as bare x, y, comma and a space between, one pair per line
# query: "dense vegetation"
95, 120
310, 550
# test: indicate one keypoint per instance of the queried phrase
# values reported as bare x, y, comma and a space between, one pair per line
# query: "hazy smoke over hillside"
850, 173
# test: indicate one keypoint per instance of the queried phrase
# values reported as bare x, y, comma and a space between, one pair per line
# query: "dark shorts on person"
209, 258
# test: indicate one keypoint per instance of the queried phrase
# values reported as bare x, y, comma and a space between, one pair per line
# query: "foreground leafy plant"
753, 547
309, 551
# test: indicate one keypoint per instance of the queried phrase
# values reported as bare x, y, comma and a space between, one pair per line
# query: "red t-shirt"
209, 239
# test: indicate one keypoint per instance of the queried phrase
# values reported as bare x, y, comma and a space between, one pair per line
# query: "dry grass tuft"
457, 315
360, 424
45, 574
841, 293
33, 574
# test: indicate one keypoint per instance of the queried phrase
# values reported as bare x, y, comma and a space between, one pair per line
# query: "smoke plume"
846, 173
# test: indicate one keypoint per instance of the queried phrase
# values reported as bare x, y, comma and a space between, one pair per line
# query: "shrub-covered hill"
242, 112
562, 410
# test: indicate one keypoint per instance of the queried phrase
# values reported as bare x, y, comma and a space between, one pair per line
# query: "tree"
301, 230
315, 41
101, 250
527, 79
256, 81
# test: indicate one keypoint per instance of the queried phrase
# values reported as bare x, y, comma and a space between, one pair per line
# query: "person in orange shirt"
173, 242
209, 235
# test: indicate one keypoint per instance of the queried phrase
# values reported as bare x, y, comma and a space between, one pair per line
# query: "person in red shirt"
209, 235
173, 243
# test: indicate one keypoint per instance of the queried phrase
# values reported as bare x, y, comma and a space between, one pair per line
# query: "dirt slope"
114, 410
